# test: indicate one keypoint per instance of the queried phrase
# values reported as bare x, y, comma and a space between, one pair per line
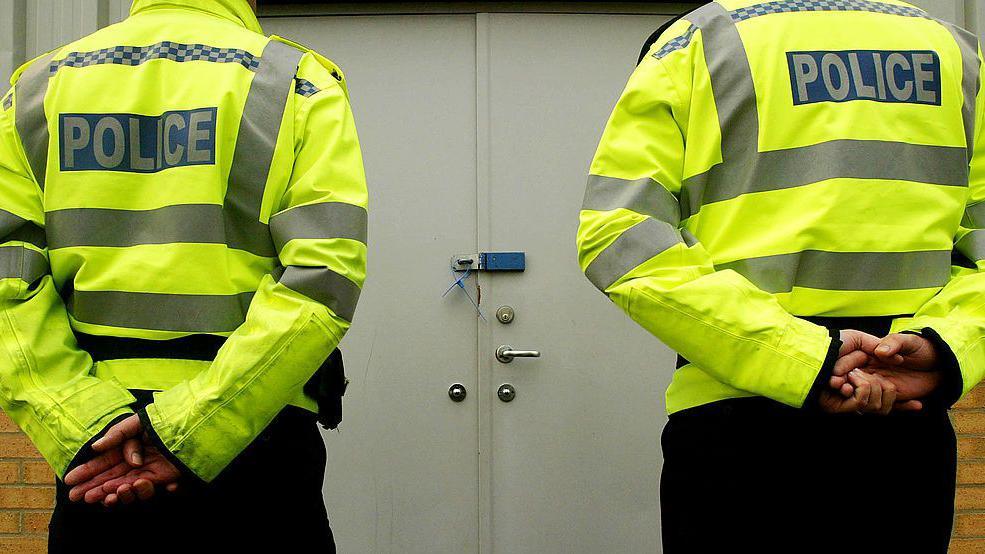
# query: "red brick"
970, 498
10, 522
36, 522
6, 424
969, 422
967, 546
38, 473
971, 473
17, 445
24, 545
27, 497
9, 472
969, 525
971, 447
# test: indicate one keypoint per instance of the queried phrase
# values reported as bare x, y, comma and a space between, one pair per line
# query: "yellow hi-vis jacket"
770, 160
175, 175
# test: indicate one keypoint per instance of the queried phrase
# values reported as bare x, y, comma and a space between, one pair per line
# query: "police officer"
182, 245
791, 195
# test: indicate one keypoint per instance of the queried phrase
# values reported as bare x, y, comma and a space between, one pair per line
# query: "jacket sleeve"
45, 385
632, 246
299, 314
957, 313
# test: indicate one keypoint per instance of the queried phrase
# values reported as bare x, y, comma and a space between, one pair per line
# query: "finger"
144, 489
863, 388
850, 361
847, 390
172, 487
92, 468
113, 485
128, 428
91, 491
888, 396
125, 492
111, 500
133, 452
853, 339
909, 406
836, 382
894, 347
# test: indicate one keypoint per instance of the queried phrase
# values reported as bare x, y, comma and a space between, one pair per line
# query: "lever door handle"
505, 354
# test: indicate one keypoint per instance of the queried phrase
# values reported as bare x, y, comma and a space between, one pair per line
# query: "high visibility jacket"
177, 174
770, 161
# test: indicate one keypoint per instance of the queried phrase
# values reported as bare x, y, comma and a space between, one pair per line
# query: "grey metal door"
477, 131
572, 463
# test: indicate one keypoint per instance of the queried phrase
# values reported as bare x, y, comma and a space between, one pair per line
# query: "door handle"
505, 354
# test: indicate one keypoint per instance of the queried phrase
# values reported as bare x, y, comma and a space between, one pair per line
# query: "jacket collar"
237, 11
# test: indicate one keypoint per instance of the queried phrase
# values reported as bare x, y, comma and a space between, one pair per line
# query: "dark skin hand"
128, 468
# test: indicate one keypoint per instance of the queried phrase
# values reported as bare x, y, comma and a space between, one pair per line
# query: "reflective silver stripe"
633, 247
819, 269
325, 286
258, 130
327, 220
185, 313
644, 196
970, 84
184, 223
856, 159
13, 227
974, 216
972, 245
32, 124
17, 262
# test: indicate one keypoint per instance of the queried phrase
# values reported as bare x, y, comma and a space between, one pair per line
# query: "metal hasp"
490, 261
506, 392
457, 392
505, 354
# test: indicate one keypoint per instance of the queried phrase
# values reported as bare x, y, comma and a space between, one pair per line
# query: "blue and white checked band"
165, 50
790, 6
305, 87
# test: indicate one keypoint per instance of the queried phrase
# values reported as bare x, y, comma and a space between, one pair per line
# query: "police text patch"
911, 77
136, 143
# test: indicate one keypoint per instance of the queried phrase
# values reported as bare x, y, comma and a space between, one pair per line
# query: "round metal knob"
457, 392
505, 315
506, 392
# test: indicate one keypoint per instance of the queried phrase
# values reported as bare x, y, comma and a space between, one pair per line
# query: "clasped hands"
127, 467
874, 375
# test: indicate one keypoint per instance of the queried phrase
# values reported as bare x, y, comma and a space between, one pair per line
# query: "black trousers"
268, 500
751, 475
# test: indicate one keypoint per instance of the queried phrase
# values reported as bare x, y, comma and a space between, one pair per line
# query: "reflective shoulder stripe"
255, 144
970, 81
972, 245
184, 313
818, 269
326, 220
974, 216
644, 196
676, 44
18, 262
634, 246
29, 116
325, 286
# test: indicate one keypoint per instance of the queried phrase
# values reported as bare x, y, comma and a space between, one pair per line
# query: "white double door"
477, 131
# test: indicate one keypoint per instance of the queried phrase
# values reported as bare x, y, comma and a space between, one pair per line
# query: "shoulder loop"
328, 64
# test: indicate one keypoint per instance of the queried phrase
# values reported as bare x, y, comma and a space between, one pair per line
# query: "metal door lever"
505, 354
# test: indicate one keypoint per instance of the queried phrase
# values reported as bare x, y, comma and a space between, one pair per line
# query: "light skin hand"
906, 360
870, 394
113, 476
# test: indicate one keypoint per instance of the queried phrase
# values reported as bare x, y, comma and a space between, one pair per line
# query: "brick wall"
27, 494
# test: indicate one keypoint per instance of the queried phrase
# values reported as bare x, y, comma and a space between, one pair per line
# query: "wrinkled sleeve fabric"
45, 381
632, 246
955, 317
300, 312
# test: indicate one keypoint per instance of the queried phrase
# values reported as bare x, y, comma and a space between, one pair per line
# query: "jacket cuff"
825, 373
949, 391
155, 439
